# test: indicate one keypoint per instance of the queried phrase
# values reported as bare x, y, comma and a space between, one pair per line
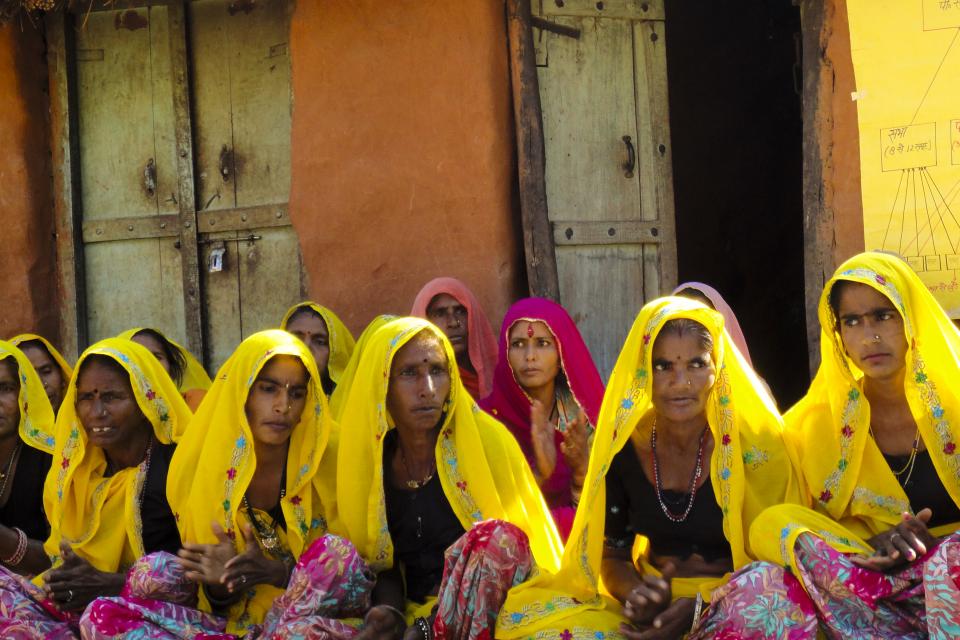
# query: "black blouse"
633, 509
160, 531
422, 525
924, 488
24, 508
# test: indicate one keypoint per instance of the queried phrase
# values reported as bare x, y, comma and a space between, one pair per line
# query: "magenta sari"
509, 404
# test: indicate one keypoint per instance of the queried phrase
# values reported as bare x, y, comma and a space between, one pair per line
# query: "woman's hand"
673, 622
575, 448
646, 600
902, 544
252, 567
383, 623
76, 583
542, 438
207, 563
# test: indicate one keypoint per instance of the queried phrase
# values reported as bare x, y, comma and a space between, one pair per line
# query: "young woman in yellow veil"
877, 440
26, 442
251, 487
688, 451
187, 372
51, 366
328, 339
435, 494
105, 494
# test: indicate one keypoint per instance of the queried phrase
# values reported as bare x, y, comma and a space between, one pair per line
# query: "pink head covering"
729, 318
511, 405
481, 345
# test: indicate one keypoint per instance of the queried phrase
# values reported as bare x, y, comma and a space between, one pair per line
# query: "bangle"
697, 609
20, 551
424, 628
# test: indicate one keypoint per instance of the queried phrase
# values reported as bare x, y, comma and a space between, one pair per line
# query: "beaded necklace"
694, 481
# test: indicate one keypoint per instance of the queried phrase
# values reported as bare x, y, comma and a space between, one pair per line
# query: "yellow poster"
906, 60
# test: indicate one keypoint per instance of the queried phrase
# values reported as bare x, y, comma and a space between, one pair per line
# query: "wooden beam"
818, 217
65, 156
531, 158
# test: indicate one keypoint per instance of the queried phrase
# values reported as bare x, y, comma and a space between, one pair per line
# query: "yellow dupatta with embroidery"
65, 367
194, 375
341, 340
471, 442
852, 489
100, 516
339, 395
215, 461
751, 468
36, 413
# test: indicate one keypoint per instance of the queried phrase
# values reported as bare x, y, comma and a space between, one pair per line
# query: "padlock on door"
216, 258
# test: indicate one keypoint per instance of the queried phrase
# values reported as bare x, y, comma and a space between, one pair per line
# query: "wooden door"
184, 170
241, 96
608, 171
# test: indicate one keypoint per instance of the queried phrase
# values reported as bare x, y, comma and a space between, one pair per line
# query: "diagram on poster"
906, 59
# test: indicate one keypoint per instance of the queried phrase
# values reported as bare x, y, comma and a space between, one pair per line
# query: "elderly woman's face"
107, 407
419, 384
683, 375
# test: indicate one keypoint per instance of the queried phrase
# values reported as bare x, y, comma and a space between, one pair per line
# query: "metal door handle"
150, 178
631, 162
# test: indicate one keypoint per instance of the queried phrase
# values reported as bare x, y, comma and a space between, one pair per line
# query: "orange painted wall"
27, 260
403, 154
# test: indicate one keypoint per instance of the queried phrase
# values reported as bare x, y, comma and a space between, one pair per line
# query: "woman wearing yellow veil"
26, 442
251, 486
328, 339
105, 494
877, 441
187, 372
435, 494
688, 451
51, 366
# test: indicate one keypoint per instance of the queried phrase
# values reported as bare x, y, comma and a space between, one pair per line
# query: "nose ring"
876, 337
689, 383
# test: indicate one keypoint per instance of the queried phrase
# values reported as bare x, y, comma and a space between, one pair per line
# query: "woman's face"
276, 399
872, 331
446, 312
419, 384
9, 398
683, 375
533, 354
107, 407
153, 345
312, 330
54, 384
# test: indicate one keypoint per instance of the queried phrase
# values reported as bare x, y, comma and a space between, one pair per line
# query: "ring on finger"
69, 595
243, 579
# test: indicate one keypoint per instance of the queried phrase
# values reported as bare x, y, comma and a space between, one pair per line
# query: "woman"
876, 443
328, 339
339, 395
248, 485
435, 495
547, 391
52, 368
688, 451
105, 495
26, 442
449, 304
187, 372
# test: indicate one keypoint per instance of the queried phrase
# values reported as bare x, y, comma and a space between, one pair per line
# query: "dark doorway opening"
735, 120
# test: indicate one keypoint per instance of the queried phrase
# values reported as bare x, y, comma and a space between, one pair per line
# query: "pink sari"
509, 404
481, 345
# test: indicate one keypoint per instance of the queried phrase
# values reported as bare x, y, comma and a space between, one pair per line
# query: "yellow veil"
215, 461
346, 379
36, 413
751, 468
849, 480
470, 444
341, 340
98, 516
194, 376
56, 355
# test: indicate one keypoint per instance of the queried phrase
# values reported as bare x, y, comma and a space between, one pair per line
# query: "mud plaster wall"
27, 260
403, 155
